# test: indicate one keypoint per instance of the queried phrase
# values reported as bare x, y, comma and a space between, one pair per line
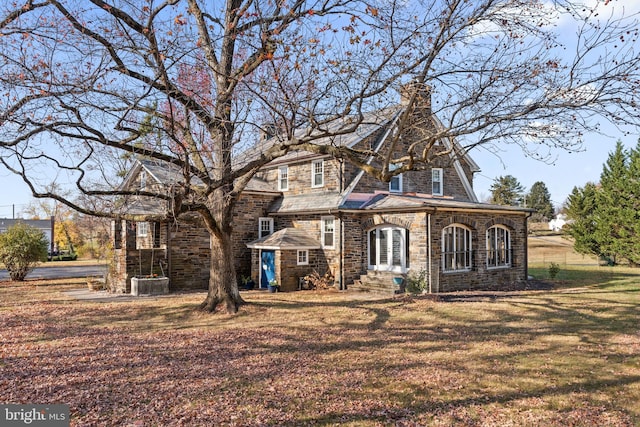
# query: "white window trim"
455, 250
260, 221
508, 248
143, 180
398, 179
283, 170
441, 181
323, 221
142, 229
314, 173
305, 254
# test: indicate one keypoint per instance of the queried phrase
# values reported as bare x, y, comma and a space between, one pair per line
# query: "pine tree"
612, 213
581, 213
633, 206
506, 190
539, 199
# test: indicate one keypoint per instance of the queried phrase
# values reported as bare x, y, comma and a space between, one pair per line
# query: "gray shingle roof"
307, 203
390, 201
371, 122
288, 238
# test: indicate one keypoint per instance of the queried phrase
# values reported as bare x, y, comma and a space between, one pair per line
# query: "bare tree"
191, 82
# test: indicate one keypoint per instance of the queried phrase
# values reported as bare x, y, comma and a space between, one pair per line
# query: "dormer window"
143, 180
436, 182
395, 184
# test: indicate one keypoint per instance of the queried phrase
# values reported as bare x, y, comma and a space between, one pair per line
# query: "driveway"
60, 271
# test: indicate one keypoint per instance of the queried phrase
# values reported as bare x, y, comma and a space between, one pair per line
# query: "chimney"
268, 131
422, 92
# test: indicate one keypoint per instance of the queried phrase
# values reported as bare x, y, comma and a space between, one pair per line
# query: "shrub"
22, 247
554, 269
416, 282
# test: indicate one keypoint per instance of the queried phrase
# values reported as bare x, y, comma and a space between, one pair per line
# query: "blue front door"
268, 267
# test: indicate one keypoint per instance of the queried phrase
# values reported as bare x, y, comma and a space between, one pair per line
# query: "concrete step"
377, 282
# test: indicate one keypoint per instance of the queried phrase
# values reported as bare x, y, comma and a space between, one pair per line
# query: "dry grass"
546, 249
567, 357
537, 358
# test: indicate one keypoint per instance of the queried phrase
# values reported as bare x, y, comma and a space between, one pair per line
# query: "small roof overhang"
288, 238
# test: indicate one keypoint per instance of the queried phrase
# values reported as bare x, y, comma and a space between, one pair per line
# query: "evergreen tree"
612, 210
633, 206
539, 199
506, 190
581, 213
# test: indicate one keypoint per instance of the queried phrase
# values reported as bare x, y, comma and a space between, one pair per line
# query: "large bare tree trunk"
223, 287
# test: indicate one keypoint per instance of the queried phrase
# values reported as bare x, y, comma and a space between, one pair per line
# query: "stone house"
306, 212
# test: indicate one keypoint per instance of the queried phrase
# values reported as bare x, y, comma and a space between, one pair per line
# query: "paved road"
61, 272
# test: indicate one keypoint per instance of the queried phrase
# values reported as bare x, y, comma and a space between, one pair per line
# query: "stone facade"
414, 213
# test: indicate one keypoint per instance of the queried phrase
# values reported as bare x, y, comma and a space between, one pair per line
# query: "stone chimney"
268, 131
423, 95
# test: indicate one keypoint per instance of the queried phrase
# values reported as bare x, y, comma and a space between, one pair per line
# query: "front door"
267, 268
388, 249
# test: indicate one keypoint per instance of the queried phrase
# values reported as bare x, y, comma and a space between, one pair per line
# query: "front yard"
570, 356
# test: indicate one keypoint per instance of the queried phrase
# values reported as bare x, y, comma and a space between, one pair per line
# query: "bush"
554, 269
22, 247
416, 283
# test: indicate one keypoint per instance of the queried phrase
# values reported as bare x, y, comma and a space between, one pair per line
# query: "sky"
565, 171
568, 170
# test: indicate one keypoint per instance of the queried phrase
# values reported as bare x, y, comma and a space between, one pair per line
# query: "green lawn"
569, 356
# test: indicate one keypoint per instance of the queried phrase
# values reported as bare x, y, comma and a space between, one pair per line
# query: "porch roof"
410, 201
287, 238
307, 203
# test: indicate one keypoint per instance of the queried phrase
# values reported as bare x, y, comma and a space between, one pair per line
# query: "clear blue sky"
569, 170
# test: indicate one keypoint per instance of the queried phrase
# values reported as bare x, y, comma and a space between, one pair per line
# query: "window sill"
465, 270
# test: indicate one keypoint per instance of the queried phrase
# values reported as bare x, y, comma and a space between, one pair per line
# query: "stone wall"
189, 254
129, 261
480, 276
355, 261
248, 210
325, 258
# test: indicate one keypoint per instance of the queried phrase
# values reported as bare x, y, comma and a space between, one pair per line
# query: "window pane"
395, 183
373, 253
283, 181
328, 232
498, 247
396, 249
318, 173
384, 244
265, 227
456, 247
436, 181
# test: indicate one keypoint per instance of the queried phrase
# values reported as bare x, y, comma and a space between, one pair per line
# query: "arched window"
498, 247
456, 248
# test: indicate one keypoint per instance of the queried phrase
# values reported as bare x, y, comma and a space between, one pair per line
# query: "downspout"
341, 258
341, 285
169, 250
429, 252
526, 248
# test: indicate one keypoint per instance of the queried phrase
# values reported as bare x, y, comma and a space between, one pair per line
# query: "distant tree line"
605, 217
506, 190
